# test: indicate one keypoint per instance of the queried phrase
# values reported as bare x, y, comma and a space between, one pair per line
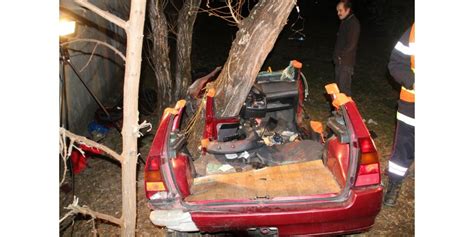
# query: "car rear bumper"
357, 215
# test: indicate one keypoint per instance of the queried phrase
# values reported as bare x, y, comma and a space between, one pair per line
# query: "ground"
374, 91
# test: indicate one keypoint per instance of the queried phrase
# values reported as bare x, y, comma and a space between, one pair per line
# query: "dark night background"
374, 91
30, 54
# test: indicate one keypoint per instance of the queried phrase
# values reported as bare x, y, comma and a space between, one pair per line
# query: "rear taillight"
369, 166
153, 180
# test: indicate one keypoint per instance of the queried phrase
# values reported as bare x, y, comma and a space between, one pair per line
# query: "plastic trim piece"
174, 220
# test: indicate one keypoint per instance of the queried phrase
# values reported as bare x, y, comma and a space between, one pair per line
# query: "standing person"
402, 69
344, 55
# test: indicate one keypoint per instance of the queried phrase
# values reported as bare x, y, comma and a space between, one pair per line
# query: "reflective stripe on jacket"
406, 94
402, 69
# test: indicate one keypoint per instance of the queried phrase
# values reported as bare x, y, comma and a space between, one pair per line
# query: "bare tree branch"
128, 159
144, 124
70, 213
98, 42
75, 201
88, 142
64, 156
90, 58
94, 229
105, 14
85, 210
230, 13
130, 116
234, 13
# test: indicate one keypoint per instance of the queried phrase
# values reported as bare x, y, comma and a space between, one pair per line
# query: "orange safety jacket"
402, 69
405, 94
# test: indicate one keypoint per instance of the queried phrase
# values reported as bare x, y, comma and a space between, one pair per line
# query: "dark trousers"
403, 152
343, 75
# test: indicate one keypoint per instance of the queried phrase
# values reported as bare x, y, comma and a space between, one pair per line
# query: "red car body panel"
338, 161
181, 169
362, 207
301, 97
157, 150
212, 121
354, 209
360, 130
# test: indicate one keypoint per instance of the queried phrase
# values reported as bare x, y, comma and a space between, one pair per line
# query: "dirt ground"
98, 186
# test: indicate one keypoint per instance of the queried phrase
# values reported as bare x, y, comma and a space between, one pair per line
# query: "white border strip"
396, 169
405, 49
406, 119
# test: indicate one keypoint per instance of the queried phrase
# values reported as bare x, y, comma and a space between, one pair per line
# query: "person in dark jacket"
402, 69
344, 56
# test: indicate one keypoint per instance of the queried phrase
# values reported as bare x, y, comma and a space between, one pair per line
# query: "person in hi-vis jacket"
402, 69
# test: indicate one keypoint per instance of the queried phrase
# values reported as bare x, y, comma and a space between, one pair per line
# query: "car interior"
265, 154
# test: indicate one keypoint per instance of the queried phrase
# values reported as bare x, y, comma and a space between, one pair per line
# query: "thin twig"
88, 142
144, 124
234, 16
231, 9
75, 201
77, 148
70, 213
98, 42
64, 156
94, 229
105, 14
90, 58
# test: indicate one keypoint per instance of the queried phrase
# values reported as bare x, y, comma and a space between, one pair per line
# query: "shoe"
393, 189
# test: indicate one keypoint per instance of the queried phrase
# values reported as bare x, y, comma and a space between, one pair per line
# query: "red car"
267, 171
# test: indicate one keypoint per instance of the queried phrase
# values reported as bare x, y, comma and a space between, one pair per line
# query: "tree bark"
160, 53
186, 19
254, 41
130, 130
134, 32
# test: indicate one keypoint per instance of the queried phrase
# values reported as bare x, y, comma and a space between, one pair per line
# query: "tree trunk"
186, 19
160, 53
134, 30
254, 41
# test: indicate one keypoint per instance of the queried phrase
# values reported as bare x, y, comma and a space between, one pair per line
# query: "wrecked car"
268, 171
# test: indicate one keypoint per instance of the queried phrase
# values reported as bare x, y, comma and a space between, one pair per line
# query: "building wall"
104, 72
